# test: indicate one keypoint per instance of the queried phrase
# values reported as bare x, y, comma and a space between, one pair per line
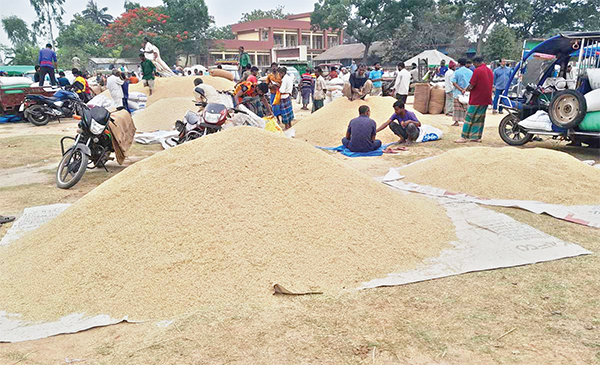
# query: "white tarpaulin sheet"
587, 215
14, 330
31, 219
486, 240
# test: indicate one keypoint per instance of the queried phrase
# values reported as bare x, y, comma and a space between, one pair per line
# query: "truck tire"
567, 109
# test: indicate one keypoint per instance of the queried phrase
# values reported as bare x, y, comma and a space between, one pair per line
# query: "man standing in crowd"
80, 85
414, 73
449, 88
501, 77
274, 83
287, 85
244, 60
76, 62
152, 53
460, 81
353, 67
403, 123
402, 83
307, 88
114, 84
470, 66
443, 69
359, 86
320, 89
48, 63
361, 133
253, 77
376, 77
480, 87
148, 70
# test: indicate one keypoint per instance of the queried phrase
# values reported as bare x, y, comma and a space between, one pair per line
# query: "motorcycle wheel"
73, 165
511, 132
36, 116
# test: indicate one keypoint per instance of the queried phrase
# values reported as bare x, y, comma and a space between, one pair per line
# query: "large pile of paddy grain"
510, 173
163, 114
178, 87
213, 224
327, 126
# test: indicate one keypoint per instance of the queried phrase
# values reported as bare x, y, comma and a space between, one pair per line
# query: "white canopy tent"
433, 57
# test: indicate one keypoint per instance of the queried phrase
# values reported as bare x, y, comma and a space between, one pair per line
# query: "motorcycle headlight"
96, 128
212, 118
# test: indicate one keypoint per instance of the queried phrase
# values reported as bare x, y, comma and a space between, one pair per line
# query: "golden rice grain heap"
163, 114
328, 125
177, 87
213, 224
510, 173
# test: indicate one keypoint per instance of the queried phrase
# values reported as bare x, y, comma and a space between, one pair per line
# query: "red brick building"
275, 40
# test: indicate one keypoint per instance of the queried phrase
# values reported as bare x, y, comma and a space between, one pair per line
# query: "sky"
224, 12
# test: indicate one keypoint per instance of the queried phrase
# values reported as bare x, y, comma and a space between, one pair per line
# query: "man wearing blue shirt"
376, 77
460, 80
47, 62
501, 77
360, 136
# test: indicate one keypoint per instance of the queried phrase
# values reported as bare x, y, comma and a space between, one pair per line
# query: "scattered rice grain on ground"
215, 223
510, 173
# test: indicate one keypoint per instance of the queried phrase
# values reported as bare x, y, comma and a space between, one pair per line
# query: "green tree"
483, 14
81, 38
257, 14
501, 43
48, 12
223, 32
427, 21
130, 5
23, 50
366, 21
97, 15
189, 19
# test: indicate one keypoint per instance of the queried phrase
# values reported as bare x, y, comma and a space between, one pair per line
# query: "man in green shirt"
244, 60
148, 70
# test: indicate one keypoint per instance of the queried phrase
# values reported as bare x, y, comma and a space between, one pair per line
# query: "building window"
291, 40
278, 40
306, 40
318, 42
265, 35
263, 60
332, 41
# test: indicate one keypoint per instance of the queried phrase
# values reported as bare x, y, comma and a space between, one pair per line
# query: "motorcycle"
209, 119
38, 109
91, 148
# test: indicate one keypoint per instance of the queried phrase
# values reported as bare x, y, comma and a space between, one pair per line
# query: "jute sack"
221, 73
422, 94
437, 99
123, 130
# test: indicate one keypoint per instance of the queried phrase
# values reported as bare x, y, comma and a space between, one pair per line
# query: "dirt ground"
544, 314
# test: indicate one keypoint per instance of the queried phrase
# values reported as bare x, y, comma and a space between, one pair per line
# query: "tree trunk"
50, 27
366, 54
484, 30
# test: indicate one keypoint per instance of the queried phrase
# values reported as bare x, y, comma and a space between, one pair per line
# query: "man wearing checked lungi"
480, 87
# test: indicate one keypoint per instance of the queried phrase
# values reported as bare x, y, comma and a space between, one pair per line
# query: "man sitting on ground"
407, 125
361, 132
359, 86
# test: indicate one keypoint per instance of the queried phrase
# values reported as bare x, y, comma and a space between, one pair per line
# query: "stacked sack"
334, 90
437, 98
137, 100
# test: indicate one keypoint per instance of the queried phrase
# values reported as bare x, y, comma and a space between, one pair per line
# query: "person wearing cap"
449, 88
48, 63
443, 69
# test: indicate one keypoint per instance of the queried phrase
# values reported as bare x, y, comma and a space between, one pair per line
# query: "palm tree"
93, 13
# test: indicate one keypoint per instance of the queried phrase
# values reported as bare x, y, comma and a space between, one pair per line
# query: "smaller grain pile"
163, 114
510, 173
212, 225
327, 126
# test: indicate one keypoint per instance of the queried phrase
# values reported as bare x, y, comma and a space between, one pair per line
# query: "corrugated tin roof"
120, 61
350, 51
